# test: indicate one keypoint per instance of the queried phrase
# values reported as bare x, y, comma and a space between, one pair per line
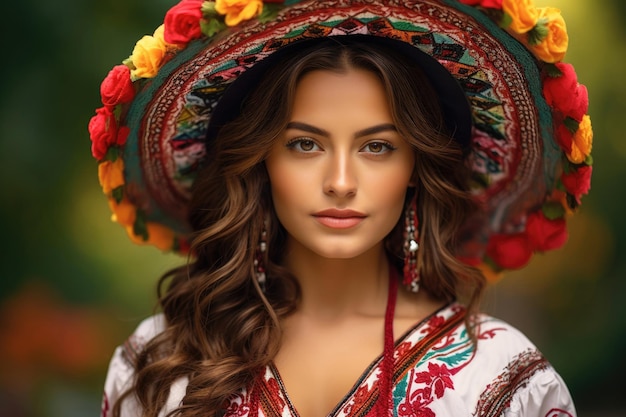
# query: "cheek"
286, 184
391, 184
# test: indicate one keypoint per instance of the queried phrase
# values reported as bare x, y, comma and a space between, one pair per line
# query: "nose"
340, 179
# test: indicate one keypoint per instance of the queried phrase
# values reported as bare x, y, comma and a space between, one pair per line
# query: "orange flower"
552, 49
238, 10
581, 142
523, 13
491, 275
148, 55
124, 212
158, 235
111, 175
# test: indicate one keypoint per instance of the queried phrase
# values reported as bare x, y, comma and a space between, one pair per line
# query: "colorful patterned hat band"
530, 140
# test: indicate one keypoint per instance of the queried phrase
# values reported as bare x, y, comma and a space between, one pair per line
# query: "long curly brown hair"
222, 329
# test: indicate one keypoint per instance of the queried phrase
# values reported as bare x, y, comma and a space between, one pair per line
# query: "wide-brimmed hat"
528, 142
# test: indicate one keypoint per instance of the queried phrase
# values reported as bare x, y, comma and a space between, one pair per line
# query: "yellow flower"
148, 54
523, 13
552, 49
238, 10
124, 212
111, 175
582, 141
158, 235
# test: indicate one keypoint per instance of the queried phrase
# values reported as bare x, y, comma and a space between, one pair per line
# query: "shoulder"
121, 372
147, 330
516, 379
502, 374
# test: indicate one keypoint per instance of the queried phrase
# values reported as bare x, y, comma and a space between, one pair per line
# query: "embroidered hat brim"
528, 145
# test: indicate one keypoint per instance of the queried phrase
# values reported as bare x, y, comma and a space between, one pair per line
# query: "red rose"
578, 181
182, 22
489, 4
545, 234
509, 251
104, 132
564, 94
117, 88
580, 103
492, 4
564, 137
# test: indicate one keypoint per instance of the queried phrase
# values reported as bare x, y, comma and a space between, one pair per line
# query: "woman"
333, 169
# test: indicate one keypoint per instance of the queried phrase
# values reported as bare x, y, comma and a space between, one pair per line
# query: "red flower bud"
104, 132
545, 234
564, 138
578, 181
182, 22
492, 4
565, 95
117, 88
509, 251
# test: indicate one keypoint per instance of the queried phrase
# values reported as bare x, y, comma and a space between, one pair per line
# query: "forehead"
347, 95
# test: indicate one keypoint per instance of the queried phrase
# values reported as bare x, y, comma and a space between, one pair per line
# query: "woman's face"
339, 172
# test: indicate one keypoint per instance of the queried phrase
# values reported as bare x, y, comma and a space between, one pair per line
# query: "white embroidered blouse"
437, 372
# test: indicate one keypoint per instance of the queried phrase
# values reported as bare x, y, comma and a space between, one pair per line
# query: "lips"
339, 218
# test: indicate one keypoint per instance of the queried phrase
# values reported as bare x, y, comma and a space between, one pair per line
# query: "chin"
345, 252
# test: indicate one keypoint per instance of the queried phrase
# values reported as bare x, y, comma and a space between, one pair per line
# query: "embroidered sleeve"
119, 379
528, 387
121, 370
545, 395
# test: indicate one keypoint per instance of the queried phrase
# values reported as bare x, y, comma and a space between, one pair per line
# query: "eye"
303, 145
378, 147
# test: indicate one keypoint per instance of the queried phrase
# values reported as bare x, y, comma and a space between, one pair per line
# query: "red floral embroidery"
237, 406
490, 334
557, 412
433, 323
105, 405
274, 389
359, 397
402, 349
436, 380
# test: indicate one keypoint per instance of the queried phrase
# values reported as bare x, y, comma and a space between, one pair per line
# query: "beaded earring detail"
411, 275
259, 261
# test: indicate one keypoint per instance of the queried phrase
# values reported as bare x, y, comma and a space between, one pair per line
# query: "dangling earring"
259, 260
411, 275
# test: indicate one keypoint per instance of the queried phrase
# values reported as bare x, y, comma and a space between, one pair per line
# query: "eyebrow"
385, 127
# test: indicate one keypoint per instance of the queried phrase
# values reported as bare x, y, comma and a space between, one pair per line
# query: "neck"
339, 287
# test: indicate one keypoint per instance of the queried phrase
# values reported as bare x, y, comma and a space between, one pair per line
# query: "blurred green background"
72, 286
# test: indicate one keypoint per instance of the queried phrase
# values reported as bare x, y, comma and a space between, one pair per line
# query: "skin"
340, 151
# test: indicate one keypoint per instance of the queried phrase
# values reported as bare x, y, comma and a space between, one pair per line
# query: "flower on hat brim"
541, 30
